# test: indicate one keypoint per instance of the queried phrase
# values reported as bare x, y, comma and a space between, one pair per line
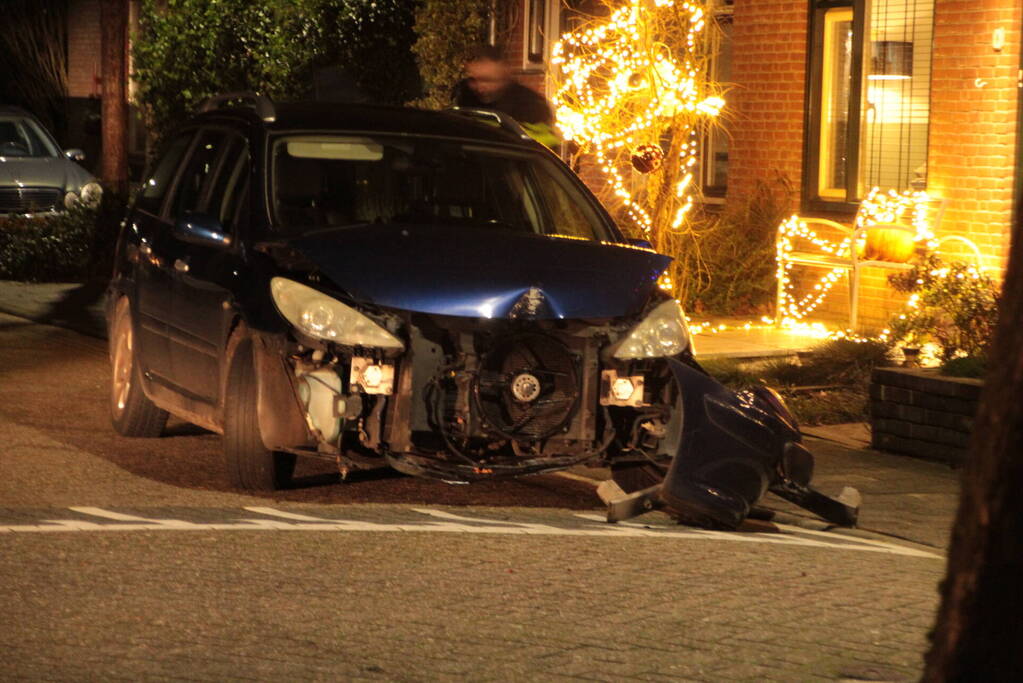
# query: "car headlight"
663, 332
323, 317
92, 193
70, 199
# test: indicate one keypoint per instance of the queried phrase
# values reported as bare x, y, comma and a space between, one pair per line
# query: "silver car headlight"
92, 193
70, 199
323, 317
663, 332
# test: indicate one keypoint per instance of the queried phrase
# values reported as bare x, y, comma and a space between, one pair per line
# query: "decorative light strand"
877, 208
620, 87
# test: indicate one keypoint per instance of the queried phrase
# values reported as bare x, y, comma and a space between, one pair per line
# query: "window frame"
813, 199
160, 210
549, 29
710, 193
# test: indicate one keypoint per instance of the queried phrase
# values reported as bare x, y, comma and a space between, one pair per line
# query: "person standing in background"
489, 84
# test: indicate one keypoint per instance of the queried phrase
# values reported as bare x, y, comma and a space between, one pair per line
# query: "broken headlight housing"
322, 317
663, 332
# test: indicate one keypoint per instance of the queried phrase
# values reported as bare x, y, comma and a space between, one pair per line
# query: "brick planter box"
922, 413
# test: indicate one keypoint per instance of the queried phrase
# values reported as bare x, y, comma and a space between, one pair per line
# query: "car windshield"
22, 137
325, 182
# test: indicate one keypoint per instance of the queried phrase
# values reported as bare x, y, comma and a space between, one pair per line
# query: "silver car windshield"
22, 137
321, 182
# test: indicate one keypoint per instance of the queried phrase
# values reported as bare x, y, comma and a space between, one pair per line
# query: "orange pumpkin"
889, 244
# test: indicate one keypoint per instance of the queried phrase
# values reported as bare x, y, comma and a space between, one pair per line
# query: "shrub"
447, 30
68, 247
194, 49
843, 361
974, 367
736, 252
954, 305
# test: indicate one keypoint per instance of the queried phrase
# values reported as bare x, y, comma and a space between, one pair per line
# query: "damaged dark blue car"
430, 291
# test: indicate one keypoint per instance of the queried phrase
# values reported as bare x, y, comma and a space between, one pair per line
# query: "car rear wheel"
250, 464
131, 413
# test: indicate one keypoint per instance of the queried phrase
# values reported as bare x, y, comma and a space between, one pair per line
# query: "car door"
213, 203
148, 247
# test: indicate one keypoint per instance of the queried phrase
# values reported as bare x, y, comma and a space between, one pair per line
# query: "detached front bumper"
735, 446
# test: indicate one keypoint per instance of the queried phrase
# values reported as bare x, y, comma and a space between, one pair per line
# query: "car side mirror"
75, 154
642, 244
202, 229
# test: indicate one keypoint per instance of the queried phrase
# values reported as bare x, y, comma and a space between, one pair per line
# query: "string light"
622, 86
877, 208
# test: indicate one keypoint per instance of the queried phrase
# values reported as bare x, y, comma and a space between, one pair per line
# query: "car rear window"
326, 181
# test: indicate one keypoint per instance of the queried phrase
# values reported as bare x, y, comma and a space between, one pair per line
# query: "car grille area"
528, 387
29, 199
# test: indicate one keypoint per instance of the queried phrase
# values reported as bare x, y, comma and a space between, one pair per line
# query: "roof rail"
503, 120
261, 103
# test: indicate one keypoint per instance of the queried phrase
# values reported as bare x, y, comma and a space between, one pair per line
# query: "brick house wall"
84, 48
764, 111
974, 95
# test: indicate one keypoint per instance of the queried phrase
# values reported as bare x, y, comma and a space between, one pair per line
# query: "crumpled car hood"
481, 272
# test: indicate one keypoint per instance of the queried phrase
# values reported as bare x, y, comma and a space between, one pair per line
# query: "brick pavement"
436, 607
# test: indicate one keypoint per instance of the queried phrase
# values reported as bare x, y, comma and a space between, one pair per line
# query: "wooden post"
114, 162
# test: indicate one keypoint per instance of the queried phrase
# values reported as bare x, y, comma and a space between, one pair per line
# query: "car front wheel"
131, 413
250, 464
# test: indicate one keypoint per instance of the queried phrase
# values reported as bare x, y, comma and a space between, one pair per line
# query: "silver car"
36, 177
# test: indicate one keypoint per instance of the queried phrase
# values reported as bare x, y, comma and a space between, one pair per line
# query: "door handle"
181, 266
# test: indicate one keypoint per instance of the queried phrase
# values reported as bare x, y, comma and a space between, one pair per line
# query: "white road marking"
790, 535
448, 522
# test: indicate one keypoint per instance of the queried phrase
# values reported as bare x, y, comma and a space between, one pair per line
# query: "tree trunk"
114, 163
979, 629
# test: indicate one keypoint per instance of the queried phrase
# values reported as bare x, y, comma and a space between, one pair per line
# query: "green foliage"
974, 367
956, 308
447, 31
194, 49
736, 250
373, 40
67, 247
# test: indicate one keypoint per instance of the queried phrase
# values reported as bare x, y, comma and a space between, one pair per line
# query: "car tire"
131, 412
250, 464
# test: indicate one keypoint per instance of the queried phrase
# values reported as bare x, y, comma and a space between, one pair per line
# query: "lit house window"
836, 73
869, 99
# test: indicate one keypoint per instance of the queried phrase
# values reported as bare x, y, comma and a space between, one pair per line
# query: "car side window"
227, 190
154, 189
189, 192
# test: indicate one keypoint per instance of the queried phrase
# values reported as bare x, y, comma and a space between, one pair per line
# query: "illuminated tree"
633, 93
